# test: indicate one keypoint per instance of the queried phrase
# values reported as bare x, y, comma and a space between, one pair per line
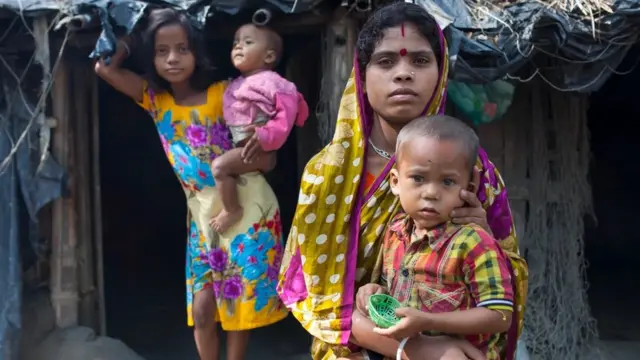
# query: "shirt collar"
435, 237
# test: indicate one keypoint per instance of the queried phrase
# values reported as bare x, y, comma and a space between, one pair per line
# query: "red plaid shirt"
452, 268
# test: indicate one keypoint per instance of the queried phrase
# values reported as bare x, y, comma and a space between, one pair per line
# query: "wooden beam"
64, 261
82, 86
97, 204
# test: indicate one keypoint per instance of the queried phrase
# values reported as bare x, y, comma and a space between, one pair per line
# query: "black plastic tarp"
28, 181
228, 6
521, 39
125, 14
490, 42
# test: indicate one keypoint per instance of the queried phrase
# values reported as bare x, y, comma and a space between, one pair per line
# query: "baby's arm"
487, 276
291, 108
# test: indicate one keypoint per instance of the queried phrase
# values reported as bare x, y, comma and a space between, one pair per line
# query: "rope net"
558, 322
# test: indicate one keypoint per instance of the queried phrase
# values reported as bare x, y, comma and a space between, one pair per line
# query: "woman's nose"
404, 72
403, 76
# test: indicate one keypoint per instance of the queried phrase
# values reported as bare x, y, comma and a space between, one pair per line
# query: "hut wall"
541, 148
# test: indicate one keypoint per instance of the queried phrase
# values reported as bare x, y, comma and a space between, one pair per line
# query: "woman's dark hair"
201, 77
393, 15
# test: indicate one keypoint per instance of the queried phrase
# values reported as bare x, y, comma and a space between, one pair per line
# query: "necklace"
379, 151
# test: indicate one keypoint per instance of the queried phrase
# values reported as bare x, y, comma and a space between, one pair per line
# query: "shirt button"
405, 272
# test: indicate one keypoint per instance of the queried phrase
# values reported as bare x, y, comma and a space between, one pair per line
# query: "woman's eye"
184, 50
385, 62
422, 61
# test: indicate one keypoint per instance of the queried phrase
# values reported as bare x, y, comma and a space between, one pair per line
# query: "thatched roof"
573, 44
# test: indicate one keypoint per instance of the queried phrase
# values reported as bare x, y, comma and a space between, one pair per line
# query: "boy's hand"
363, 295
252, 148
411, 323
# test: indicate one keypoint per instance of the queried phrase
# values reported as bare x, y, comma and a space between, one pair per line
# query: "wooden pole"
97, 204
82, 104
64, 262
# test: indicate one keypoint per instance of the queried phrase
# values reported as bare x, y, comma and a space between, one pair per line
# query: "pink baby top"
264, 98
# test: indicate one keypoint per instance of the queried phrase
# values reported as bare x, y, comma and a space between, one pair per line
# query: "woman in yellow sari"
345, 201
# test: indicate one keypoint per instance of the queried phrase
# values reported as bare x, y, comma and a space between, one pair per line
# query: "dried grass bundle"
585, 7
590, 10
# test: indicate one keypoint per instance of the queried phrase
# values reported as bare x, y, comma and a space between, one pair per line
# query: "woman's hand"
252, 148
473, 212
363, 295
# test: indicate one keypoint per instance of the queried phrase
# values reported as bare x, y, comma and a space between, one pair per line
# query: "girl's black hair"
393, 15
201, 77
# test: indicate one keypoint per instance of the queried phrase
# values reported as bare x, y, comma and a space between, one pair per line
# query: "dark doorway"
612, 243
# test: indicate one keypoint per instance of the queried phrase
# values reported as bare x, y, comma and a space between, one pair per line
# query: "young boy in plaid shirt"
450, 279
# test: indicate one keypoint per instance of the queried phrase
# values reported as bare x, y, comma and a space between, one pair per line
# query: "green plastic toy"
382, 310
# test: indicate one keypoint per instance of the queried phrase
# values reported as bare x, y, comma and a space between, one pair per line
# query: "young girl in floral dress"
231, 277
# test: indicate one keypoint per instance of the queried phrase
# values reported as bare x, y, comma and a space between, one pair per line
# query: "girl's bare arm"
125, 81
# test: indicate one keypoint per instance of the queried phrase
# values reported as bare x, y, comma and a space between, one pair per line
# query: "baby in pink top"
260, 108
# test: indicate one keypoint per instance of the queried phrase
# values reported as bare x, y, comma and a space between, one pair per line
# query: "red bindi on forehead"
403, 51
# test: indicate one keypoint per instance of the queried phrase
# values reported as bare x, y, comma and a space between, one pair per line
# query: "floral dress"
241, 265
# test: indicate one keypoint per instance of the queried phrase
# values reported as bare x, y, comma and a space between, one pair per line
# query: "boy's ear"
393, 181
270, 57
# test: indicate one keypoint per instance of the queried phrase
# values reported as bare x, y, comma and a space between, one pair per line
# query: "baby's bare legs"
445, 351
225, 169
454, 353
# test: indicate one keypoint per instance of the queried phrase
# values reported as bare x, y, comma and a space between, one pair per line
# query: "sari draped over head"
336, 235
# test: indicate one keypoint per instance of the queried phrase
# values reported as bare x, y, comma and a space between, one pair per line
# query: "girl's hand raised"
123, 80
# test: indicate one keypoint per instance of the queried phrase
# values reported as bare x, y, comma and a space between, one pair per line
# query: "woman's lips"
403, 94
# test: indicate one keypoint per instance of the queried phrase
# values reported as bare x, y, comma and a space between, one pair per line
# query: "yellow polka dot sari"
334, 244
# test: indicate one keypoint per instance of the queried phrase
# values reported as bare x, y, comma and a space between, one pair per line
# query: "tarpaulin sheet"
126, 13
228, 6
491, 42
26, 184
